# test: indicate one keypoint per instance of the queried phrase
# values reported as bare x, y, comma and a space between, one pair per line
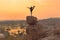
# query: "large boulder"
34, 32
31, 20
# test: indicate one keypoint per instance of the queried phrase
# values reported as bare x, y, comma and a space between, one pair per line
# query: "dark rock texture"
31, 20
36, 31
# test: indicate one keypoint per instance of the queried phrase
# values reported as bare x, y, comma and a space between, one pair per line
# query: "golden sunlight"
17, 9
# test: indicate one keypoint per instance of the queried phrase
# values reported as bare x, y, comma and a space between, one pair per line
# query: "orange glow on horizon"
17, 9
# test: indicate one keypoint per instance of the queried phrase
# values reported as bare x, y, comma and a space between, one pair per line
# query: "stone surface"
36, 31
51, 38
31, 20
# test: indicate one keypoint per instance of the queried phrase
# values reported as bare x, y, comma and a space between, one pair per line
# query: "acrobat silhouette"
31, 9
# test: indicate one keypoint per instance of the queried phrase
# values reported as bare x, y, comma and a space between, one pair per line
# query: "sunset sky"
17, 9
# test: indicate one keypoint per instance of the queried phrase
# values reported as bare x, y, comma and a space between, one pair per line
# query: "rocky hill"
51, 23
47, 29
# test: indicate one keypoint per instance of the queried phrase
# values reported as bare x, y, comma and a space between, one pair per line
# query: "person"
31, 9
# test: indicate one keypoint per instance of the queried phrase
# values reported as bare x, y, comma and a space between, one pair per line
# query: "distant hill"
51, 23
45, 22
12, 21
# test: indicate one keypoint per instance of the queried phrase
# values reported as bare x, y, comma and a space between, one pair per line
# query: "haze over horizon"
17, 9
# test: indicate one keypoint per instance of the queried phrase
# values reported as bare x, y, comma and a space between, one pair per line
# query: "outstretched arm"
33, 7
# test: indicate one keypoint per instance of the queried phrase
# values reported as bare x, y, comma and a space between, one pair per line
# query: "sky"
17, 9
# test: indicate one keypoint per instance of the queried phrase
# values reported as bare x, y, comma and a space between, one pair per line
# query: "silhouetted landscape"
19, 27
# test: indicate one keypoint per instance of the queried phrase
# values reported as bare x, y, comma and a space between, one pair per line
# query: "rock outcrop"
31, 20
35, 31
